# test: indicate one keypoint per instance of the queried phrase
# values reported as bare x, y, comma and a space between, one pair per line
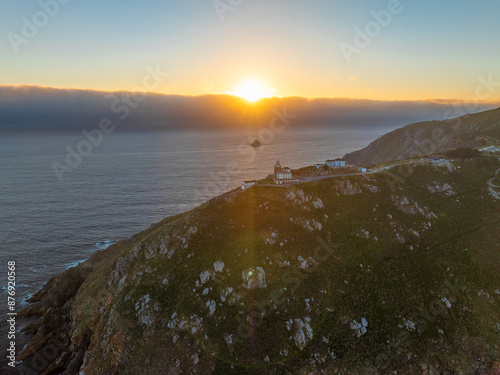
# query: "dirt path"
490, 181
318, 178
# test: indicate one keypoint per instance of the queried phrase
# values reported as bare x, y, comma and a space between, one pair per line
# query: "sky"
414, 50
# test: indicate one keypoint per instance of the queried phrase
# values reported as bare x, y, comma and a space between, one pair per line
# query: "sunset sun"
252, 90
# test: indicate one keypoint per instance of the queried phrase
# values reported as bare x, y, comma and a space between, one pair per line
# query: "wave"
17, 286
101, 245
74, 264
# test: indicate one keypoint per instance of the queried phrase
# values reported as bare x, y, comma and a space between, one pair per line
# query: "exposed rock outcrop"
308, 278
256, 143
425, 138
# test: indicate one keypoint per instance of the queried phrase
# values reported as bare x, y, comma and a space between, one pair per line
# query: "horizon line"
102, 91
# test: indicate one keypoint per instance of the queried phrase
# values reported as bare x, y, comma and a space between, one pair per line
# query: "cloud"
35, 107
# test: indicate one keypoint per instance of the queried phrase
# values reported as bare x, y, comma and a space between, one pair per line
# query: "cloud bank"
43, 108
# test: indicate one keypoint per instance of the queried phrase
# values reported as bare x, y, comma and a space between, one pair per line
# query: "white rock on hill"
303, 332
359, 328
254, 278
218, 266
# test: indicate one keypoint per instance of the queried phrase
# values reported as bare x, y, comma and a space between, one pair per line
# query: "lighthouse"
283, 175
277, 168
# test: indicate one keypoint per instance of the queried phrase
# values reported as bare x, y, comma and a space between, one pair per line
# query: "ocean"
128, 182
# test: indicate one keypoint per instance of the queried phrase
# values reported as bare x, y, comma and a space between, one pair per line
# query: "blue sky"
431, 49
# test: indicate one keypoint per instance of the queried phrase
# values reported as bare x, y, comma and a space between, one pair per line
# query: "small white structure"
335, 163
486, 148
247, 184
362, 170
283, 175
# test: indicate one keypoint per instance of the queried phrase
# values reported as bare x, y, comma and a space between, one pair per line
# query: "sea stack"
256, 143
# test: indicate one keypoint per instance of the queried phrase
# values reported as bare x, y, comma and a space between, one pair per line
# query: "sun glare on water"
253, 91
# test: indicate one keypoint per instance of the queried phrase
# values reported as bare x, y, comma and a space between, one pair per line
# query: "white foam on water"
101, 245
74, 264
17, 286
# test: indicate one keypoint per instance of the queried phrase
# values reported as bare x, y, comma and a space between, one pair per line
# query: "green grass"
384, 280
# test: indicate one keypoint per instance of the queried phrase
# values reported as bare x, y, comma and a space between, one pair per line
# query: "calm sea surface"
128, 182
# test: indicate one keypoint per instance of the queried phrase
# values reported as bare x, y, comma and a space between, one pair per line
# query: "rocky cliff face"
357, 275
430, 137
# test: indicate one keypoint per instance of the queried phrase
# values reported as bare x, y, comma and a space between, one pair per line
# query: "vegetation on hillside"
462, 153
431, 137
355, 274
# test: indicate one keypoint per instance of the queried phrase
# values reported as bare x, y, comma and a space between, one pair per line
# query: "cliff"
360, 274
425, 138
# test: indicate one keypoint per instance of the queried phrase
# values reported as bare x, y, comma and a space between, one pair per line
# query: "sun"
253, 90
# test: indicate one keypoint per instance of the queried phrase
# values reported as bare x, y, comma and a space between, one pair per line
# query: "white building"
335, 163
247, 184
283, 175
363, 170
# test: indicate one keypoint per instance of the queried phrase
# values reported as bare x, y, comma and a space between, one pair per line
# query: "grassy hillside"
354, 275
423, 138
